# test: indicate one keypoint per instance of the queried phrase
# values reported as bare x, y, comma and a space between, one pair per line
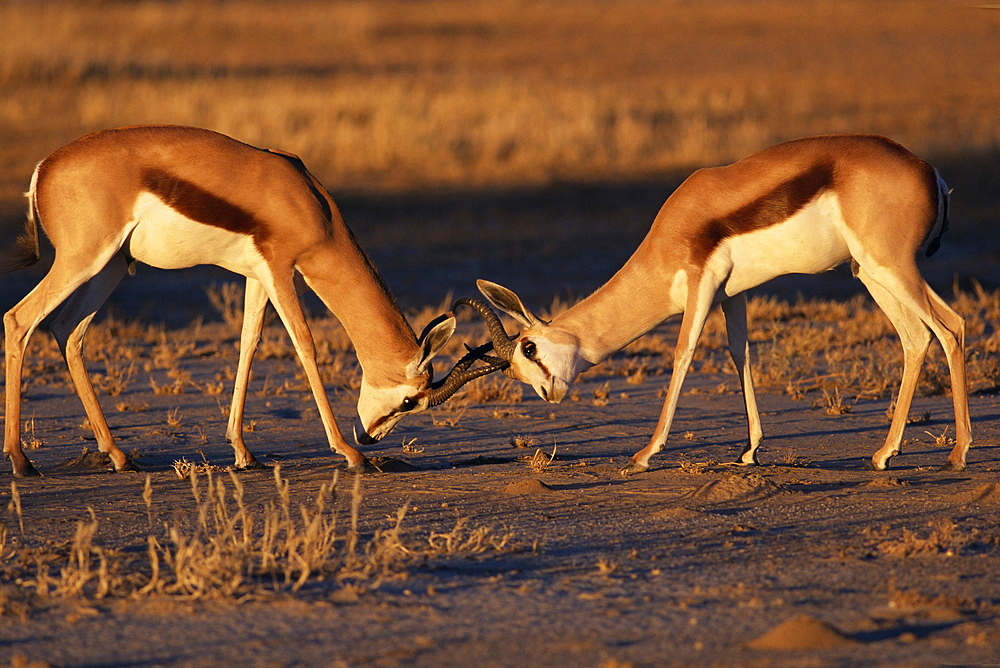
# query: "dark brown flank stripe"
200, 205
775, 207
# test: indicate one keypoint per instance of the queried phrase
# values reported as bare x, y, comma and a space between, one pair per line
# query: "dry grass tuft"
602, 395
464, 539
227, 299
789, 457
697, 468
942, 439
117, 376
230, 548
540, 462
449, 418
495, 388
521, 441
177, 387
14, 507
174, 417
409, 448
832, 403
30, 441
184, 469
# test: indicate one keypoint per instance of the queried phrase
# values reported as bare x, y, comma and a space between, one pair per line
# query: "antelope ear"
432, 340
507, 301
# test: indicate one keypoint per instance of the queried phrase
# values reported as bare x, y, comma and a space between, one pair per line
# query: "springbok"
174, 197
804, 206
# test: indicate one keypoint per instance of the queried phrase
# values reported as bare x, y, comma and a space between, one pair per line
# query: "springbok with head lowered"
805, 206
175, 197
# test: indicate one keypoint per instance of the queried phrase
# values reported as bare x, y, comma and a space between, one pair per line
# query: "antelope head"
381, 409
542, 355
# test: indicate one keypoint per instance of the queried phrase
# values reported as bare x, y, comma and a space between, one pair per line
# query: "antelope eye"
529, 350
409, 403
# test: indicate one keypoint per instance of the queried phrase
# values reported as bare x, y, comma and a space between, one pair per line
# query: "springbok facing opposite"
805, 206
174, 197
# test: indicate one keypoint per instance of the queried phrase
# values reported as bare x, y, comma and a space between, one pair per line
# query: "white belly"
809, 242
164, 238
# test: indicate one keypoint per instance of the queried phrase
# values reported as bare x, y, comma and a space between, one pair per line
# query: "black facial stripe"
545, 369
534, 358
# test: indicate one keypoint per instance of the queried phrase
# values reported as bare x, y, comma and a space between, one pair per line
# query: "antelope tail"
26, 250
941, 223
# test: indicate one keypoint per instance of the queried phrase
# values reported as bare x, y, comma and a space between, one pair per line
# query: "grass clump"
231, 549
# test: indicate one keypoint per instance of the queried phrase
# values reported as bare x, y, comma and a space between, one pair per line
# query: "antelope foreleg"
691, 326
286, 302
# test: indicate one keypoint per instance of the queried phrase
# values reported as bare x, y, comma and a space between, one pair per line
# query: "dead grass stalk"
232, 548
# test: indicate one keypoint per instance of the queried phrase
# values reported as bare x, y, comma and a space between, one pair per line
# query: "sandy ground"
804, 560
808, 559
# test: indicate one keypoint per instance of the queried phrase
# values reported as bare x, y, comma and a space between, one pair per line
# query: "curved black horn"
461, 373
501, 340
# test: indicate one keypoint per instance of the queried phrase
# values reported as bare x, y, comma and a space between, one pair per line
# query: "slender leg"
254, 305
691, 325
915, 339
285, 299
735, 310
64, 277
917, 302
951, 333
69, 327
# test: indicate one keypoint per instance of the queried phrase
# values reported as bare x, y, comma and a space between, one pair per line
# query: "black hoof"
632, 469
252, 465
753, 460
363, 468
131, 466
28, 471
952, 466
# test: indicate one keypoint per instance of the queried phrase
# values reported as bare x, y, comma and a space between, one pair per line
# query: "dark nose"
361, 436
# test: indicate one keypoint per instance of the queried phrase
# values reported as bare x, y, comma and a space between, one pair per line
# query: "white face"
548, 360
380, 409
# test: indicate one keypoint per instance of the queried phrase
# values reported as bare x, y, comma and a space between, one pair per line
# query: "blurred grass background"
499, 130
